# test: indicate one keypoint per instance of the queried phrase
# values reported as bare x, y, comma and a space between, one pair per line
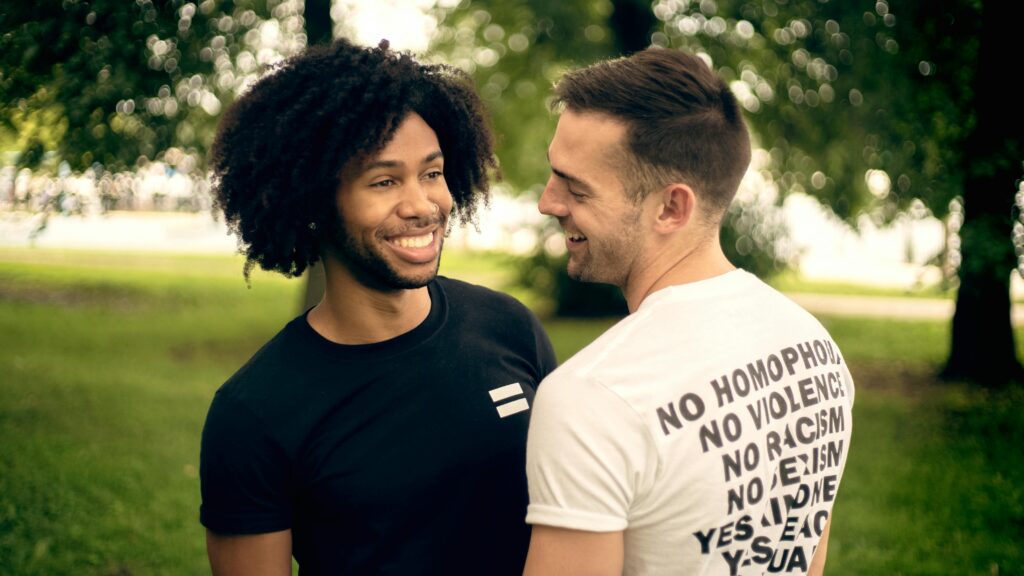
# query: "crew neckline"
393, 346
715, 285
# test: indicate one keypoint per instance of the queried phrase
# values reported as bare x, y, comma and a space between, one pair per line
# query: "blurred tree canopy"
912, 93
833, 89
109, 81
516, 51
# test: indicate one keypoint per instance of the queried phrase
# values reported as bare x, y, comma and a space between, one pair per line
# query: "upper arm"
250, 554
563, 552
588, 456
243, 473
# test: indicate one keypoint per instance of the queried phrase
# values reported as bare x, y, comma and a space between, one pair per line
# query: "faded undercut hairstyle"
684, 125
280, 150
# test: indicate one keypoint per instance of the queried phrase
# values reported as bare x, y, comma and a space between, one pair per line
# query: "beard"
369, 264
608, 258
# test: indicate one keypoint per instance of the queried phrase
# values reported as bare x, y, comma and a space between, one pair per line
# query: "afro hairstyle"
280, 149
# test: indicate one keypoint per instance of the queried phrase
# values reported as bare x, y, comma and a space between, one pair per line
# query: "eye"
383, 183
433, 175
575, 194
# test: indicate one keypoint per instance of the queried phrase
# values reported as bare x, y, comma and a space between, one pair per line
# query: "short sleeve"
244, 474
588, 456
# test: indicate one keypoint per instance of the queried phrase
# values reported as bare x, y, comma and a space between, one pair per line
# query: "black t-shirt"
399, 457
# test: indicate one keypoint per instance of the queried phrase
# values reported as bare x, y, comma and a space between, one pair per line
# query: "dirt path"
885, 307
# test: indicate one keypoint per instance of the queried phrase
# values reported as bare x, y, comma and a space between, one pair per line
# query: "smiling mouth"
575, 238
421, 241
423, 248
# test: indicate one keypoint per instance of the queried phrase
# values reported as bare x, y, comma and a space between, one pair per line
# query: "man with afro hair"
384, 430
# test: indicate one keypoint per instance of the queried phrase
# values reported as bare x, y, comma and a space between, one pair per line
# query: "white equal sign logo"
504, 393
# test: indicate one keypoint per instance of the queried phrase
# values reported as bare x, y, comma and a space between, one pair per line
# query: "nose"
419, 200
551, 202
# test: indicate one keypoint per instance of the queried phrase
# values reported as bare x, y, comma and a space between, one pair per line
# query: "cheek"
588, 222
443, 198
364, 211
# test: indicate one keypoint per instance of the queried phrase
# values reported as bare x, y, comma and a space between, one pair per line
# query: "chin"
408, 279
591, 276
579, 272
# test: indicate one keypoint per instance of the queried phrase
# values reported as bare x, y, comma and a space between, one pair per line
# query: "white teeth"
576, 237
414, 241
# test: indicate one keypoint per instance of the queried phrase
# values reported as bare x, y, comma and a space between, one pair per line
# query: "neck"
352, 313
675, 264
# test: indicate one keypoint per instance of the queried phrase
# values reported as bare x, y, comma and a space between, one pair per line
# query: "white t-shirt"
712, 425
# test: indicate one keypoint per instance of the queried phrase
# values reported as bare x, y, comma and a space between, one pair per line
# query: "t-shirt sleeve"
244, 474
588, 456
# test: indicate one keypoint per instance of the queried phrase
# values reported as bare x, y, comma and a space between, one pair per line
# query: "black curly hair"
280, 149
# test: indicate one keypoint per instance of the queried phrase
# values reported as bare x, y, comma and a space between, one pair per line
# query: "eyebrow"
395, 163
569, 177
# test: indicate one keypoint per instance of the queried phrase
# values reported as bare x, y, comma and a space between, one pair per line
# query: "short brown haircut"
684, 124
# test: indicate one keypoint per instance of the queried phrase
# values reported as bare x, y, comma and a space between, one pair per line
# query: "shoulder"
257, 384
497, 320
479, 304
462, 293
745, 286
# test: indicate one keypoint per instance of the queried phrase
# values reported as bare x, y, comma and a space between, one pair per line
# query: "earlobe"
676, 207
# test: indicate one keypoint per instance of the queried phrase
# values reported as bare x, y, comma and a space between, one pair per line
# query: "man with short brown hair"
707, 432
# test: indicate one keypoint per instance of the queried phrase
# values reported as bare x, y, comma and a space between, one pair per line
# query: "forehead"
590, 142
412, 137
412, 142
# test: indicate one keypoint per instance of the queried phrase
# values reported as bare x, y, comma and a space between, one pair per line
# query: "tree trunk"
631, 22
319, 30
982, 347
319, 27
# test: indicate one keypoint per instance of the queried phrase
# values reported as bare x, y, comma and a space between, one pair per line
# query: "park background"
884, 196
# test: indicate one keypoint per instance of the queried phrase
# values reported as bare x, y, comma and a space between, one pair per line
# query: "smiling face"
586, 194
393, 211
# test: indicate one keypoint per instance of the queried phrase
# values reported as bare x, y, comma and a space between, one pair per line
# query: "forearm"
818, 561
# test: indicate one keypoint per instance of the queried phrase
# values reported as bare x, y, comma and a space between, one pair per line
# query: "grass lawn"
108, 363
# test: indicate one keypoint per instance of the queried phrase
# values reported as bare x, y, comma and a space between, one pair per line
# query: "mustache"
438, 220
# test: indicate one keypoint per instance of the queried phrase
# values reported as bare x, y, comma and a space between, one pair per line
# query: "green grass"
108, 363
107, 367
935, 478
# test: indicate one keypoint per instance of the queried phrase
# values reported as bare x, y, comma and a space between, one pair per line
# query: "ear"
677, 206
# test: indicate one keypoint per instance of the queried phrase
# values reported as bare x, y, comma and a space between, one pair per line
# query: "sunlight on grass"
109, 363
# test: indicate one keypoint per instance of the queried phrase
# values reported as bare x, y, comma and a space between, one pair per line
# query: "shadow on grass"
935, 478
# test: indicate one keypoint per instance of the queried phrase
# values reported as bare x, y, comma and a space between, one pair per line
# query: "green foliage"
516, 50
914, 93
753, 238
125, 79
834, 89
